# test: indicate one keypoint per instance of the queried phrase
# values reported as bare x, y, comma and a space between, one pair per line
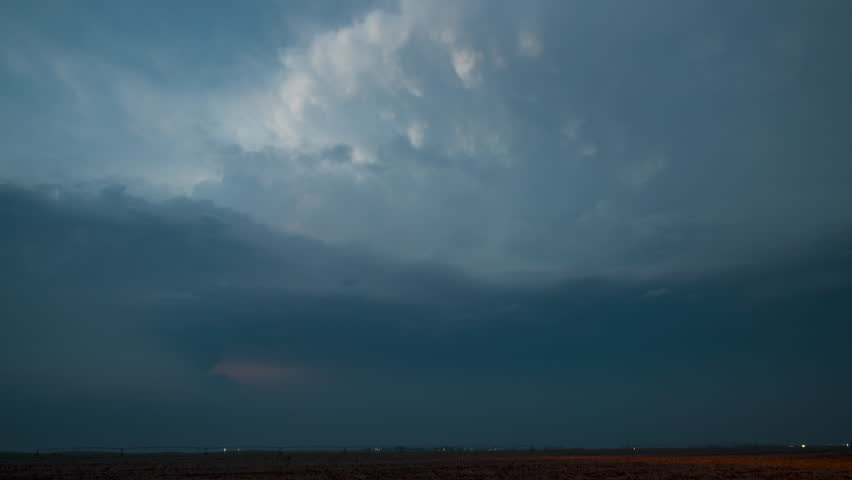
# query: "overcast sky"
590, 223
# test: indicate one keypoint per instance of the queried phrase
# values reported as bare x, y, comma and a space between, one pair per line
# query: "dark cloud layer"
129, 321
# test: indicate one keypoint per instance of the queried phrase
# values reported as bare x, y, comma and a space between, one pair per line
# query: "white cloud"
371, 68
298, 94
362, 156
464, 63
416, 135
529, 44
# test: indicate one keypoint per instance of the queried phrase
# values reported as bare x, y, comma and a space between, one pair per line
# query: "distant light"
803, 445
225, 450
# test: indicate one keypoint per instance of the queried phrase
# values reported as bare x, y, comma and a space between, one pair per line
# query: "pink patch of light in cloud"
257, 373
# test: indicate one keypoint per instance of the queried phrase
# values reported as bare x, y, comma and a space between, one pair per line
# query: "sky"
573, 223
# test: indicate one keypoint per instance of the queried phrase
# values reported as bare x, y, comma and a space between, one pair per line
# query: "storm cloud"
583, 223
569, 137
186, 311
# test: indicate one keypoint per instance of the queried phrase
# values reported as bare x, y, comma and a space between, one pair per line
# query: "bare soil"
562, 464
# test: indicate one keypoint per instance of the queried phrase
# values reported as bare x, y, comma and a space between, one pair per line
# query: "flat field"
551, 464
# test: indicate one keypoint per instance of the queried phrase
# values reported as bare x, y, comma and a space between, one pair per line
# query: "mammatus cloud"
540, 135
395, 60
563, 139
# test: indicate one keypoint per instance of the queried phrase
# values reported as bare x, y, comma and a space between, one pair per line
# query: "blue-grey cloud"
117, 308
566, 137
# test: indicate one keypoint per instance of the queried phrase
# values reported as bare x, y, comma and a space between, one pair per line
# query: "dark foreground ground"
569, 464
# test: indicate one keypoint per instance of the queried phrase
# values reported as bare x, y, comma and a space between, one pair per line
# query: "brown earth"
623, 465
